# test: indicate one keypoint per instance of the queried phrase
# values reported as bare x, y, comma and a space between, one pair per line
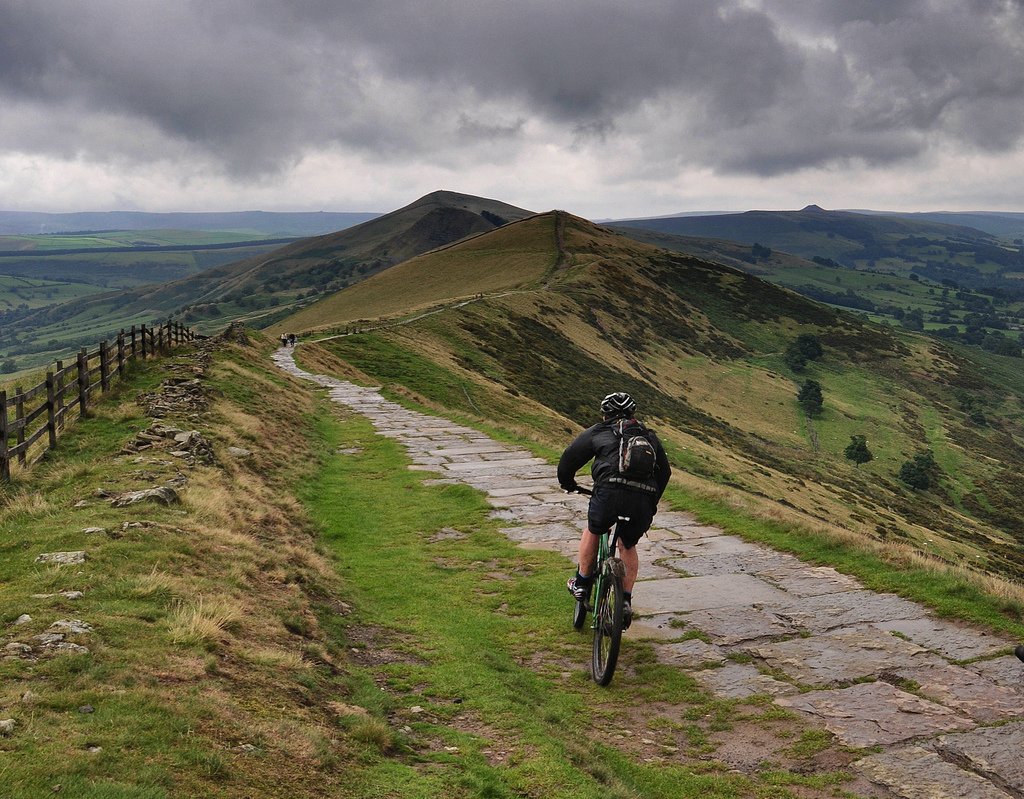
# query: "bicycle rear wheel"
608, 623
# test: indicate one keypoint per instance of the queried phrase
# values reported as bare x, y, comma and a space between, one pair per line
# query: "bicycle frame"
607, 622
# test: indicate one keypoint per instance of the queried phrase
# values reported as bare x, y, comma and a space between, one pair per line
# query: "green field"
125, 239
23, 292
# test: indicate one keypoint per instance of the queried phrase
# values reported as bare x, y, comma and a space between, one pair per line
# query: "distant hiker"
284, 340
291, 339
620, 489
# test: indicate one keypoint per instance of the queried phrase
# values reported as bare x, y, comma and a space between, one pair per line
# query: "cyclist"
613, 496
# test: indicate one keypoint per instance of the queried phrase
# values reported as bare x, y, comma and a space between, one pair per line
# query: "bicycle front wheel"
607, 624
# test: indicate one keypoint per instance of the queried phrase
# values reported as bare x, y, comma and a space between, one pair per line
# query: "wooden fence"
41, 412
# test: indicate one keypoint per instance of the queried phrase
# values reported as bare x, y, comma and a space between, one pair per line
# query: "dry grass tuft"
204, 622
275, 658
156, 584
33, 504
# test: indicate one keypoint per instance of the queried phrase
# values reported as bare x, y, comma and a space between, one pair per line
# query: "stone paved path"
884, 671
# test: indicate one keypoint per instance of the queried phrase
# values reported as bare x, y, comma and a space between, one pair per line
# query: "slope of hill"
871, 242
16, 223
1002, 224
570, 310
257, 290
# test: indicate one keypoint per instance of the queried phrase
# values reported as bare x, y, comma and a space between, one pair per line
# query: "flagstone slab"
684, 525
965, 691
993, 752
916, 773
876, 714
842, 657
819, 614
715, 545
690, 654
464, 448
660, 535
516, 491
680, 594
738, 625
507, 466
1006, 671
955, 643
534, 514
728, 562
802, 580
552, 531
486, 482
741, 681
649, 627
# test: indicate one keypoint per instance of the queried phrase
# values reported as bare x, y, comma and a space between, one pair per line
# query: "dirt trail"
884, 673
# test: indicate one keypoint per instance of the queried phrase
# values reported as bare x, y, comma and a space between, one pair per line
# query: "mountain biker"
613, 495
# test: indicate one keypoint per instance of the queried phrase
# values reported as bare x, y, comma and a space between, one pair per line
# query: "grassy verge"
196, 666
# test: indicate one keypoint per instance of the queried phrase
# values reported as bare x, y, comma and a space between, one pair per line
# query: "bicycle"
607, 608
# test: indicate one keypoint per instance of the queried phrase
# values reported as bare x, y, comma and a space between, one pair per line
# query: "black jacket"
601, 443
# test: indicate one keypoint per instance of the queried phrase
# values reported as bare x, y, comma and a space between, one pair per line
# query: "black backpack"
637, 457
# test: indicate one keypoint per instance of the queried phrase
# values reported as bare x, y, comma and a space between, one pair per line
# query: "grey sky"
604, 109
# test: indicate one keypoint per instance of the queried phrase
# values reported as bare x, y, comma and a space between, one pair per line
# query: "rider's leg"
589, 545
631, 560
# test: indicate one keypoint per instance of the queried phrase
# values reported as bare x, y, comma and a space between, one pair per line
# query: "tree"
914, 476
809, 346
794, 359
8, 367
916, 472
810, 397
857, 450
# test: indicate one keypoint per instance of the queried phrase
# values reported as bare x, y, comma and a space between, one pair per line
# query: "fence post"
104, 368
120, 354
134, 354
19, 415
51, 410
5, 464
60, 395
143, 342
83, 383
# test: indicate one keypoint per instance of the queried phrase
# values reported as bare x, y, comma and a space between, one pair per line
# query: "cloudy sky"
604, 109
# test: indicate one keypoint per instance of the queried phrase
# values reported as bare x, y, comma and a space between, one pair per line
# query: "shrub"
810, 397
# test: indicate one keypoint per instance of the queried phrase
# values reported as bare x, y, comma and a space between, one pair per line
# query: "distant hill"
262, 288
869, 242
16, 223
526, 327
1004, 225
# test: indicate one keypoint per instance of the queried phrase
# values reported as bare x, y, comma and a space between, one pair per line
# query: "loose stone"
62, 558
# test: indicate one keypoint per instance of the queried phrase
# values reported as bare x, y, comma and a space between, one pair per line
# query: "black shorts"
607, 504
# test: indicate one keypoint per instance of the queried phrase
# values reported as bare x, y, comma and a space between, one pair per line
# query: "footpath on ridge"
960, 734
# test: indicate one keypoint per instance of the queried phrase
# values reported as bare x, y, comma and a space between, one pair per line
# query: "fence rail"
48, 404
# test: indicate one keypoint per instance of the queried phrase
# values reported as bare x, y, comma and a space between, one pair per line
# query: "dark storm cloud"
755, 87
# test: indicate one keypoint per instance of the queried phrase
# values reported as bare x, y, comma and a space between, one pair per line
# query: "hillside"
571, 310
259, 289
19, 223
872, 242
